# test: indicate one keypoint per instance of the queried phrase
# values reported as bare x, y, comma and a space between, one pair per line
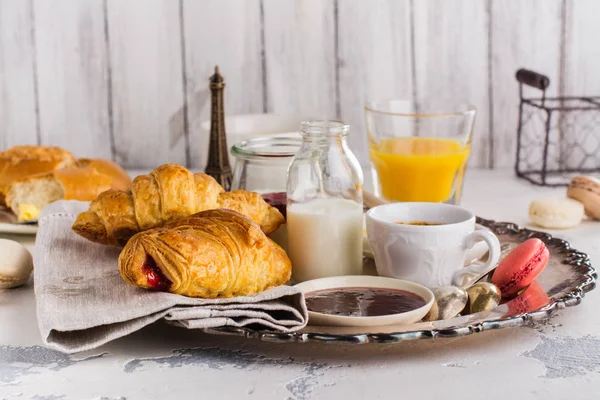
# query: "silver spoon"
474, 296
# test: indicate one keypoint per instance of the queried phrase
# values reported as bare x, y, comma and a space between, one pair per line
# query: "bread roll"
84, 181
21, 161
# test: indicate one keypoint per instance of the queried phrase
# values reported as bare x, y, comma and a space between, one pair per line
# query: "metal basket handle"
533, 79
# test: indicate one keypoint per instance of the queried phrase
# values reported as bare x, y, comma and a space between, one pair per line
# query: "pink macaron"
531, 299
520, 267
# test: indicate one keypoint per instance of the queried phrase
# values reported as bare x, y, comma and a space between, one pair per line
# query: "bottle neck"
324, 133
324, 140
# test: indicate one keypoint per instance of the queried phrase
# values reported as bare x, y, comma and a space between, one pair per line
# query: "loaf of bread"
84, 180
22, 161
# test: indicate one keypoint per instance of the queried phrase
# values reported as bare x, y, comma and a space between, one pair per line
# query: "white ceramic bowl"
410, 317
249, 126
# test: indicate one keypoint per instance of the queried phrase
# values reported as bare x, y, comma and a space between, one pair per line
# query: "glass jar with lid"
324, 204
261, 166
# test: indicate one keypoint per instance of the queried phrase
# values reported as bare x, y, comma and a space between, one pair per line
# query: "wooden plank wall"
71, 67
127, 79
19, 120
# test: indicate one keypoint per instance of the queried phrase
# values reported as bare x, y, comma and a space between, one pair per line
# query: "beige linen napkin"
82, 301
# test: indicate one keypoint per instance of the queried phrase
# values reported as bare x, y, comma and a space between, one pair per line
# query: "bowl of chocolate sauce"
365, 301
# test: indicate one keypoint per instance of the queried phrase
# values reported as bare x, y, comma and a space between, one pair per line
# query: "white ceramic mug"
432, 255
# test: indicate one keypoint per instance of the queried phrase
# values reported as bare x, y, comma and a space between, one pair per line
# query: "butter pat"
28, 212
16, 264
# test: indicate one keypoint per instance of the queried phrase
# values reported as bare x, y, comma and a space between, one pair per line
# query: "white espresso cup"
432, 255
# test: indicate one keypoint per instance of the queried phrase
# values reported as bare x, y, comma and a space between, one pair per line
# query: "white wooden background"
127, 79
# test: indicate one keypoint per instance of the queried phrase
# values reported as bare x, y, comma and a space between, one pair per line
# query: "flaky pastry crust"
167, 193
214, 253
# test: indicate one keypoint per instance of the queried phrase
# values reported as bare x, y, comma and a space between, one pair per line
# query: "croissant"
167, 193
215, 253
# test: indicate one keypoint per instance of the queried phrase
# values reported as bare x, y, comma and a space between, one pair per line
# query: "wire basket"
557, 137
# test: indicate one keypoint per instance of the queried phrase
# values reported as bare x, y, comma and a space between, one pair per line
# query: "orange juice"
419, 169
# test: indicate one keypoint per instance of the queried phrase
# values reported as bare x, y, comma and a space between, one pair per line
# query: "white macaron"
16, 264
556, 213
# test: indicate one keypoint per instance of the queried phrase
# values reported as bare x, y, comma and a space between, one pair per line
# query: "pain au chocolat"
165, 194
214, 253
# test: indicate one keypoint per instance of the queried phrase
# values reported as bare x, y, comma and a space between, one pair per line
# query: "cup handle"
458, 279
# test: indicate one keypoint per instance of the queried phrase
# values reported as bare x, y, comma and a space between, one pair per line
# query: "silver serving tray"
566, 279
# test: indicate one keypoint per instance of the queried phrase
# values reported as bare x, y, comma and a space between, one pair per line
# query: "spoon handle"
481, 278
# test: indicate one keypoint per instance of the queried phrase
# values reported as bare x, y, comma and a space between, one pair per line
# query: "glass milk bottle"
324, 204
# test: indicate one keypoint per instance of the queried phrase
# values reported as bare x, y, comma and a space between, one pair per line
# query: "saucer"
18, 229
360, 281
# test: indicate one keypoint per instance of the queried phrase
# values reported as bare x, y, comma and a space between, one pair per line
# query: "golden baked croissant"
167, 193
215, 253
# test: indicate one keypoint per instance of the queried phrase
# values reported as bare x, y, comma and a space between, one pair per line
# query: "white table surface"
560, 360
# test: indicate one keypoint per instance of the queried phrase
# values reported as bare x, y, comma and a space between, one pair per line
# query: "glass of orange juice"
418, 153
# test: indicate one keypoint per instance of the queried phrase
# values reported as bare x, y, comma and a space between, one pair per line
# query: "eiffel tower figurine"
218, 154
